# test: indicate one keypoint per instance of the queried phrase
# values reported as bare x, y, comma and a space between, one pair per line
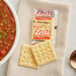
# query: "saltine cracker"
43, 53
26, 58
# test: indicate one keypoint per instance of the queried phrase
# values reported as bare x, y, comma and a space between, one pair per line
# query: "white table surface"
71, 40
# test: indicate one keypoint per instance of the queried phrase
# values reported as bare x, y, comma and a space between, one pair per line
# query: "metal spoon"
73, 59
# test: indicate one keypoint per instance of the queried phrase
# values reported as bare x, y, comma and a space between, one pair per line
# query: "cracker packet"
43, 25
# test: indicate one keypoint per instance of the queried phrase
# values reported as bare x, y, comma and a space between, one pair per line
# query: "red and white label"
42, 34
43, 13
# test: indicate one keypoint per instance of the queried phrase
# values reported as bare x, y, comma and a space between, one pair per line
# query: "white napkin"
25, 17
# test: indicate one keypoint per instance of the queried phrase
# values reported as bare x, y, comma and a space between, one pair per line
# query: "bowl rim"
17, 33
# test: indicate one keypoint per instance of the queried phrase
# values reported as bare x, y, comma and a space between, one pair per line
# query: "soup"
7, 29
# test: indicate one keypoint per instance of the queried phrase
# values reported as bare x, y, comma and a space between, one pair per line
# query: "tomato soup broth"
7, 29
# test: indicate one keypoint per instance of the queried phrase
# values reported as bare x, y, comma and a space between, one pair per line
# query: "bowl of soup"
9, 30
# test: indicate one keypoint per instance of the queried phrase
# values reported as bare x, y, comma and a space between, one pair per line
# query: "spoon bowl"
73, 59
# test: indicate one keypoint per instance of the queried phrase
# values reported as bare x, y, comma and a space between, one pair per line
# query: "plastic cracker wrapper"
43, 25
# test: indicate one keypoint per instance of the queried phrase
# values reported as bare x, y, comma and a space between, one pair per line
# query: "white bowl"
17, 33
